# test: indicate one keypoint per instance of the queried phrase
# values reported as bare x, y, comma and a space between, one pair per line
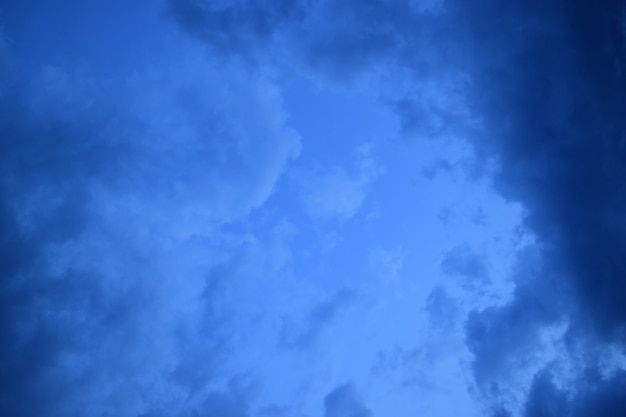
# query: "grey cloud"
276, 411
602, 396
561, 146
410, 368
231, 401
338, 39
342, 37
508, 341
336, 193
551, 94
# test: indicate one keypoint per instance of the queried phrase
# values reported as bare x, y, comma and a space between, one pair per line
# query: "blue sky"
290, 208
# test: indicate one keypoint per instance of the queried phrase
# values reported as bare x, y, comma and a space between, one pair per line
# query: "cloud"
336, 193
320, 317
386, 264
337, 40
595, 396
545, 399
561, 147
233, 402
4, 52
229, 132
343, 401
235, 28
539, 89
113, 199
462, 261
550, 92
442, 309
541, 97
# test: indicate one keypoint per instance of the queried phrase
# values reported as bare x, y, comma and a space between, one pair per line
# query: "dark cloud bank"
550, 88
544, 103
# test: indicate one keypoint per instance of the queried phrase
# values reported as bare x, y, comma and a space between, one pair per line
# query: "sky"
313, 208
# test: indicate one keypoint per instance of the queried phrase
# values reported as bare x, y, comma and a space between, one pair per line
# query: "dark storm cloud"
545, 399
549, 84
595, 396
344, 401
551, 90
555, 116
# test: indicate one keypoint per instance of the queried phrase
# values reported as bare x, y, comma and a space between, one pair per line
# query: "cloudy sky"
313, 208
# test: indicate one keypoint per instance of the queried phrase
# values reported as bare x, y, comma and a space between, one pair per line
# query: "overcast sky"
313, 208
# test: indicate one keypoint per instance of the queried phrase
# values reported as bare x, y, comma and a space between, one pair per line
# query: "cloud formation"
316, 321
343, 401
336, 192
140, 170
113, 197
539, 88
461, 261
551, 98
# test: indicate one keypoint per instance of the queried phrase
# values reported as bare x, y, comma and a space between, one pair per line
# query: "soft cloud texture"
468, 266
337, 192
344, 401
130, 225
100, 196
552, 105
545, 86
